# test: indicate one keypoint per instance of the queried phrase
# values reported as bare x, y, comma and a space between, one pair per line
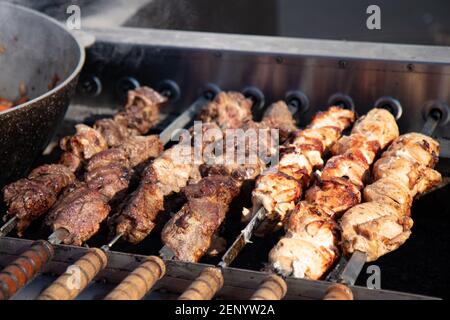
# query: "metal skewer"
432, 122
275, 286
58, 236
98, 258
246, 233
8, 226
243, 238
151, 270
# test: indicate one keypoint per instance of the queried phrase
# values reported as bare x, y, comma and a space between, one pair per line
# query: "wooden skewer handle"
207, 284
136, 285
338, 291
272, 288
76, 278
24, 268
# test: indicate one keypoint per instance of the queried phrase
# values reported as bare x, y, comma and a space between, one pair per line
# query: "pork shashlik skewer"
134, 286
29, 198
217, 183
189, 233
305, 149
232, 103
77, 212
382, 223
42, 251
309, 247
230, 100
334, 120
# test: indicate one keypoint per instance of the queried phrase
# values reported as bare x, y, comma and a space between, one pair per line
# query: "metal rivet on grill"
297, 101
438, 110
169, 89
210, 90
341, 100
343, 64
90, 85
391, 104
125, 84
410, 67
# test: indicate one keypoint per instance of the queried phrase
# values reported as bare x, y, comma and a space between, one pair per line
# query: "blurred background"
402, 21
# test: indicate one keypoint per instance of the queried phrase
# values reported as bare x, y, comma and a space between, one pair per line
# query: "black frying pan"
40, 53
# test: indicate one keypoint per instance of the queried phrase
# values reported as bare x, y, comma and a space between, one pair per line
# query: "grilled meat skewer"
189, 233
99, 258
29, 198
42, 251
383, 222
167, 174
108, 174
281, 187
211, 274
310, 245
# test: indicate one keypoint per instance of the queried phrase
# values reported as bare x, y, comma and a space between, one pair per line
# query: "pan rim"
67, 80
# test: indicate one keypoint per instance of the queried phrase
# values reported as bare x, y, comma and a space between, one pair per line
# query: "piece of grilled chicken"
383, 222
191, 231
176, 167
310, 245
280, 187
29, 198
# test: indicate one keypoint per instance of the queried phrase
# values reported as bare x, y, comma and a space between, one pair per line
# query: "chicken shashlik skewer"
231, 102
336, 119
29, 198
382, 223
304, 149
309, 247
42, 251
108, 175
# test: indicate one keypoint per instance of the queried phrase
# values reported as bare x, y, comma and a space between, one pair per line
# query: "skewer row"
140, 281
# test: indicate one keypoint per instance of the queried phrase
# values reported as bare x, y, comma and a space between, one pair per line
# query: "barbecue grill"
410, 81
